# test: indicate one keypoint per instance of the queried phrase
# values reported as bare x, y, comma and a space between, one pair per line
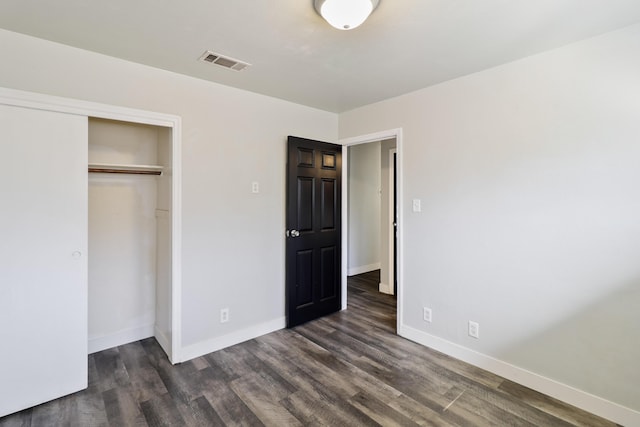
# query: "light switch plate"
416, 205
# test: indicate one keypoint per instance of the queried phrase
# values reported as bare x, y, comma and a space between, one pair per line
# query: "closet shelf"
128, 169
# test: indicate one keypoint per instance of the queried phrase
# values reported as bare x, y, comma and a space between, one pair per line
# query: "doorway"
129, 233
366, 243
393, 220
393, 261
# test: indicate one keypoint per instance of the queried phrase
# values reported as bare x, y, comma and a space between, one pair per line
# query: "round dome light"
345, 14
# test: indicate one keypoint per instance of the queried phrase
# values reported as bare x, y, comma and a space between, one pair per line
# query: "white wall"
233, 240
530, 225
364, 208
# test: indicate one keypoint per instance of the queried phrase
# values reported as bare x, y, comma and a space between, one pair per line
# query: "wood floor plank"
18, 419
494, 414
418, 413
258, 396
82, 408
415, 354
554, 407
231, 409
304, 382
349, 347
516, 407
89, 409
110, 371
122, 408
50, 413
317, 402
272, 380
380, 412
200, 363
161, 411
200, 413
145, 380
182, 381
277, 361
321, 412
390, 369
311, 362
463, 415
393, 381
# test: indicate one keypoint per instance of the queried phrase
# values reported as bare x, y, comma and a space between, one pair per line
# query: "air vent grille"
223, 61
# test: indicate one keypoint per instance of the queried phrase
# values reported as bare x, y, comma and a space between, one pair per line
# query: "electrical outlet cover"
224, 315
474, 329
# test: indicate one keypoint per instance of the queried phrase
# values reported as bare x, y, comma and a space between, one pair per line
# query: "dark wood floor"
346, 369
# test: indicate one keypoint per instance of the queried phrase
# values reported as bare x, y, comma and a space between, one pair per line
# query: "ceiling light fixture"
345, 14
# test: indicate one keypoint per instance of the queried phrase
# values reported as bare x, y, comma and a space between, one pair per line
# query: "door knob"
293, 233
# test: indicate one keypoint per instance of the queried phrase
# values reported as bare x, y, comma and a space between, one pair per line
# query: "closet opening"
129, 254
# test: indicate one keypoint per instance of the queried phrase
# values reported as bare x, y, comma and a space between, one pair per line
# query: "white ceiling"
405, 45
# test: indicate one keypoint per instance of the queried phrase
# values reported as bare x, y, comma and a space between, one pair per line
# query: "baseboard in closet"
119, 338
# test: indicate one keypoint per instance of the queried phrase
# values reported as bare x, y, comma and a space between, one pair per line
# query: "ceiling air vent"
223, 61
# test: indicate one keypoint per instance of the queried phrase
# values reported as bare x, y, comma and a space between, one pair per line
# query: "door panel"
43, 267
329, 268
313, 211
306, 157
329, 195
329, 161
305, 203
304, 278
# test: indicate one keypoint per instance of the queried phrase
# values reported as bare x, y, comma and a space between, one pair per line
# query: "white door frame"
363, 139
391, 228
104, 111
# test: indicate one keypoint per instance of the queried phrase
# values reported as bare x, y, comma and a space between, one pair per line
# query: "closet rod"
132, 172
126, 169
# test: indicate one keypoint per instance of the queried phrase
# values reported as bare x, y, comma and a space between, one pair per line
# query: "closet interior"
129, 262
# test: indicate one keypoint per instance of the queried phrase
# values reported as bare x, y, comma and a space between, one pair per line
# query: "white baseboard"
385, 288
119, 338
594, 404
215, 344
363, 269
164, 341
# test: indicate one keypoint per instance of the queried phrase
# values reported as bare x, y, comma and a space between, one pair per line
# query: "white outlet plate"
474, 329
224, 315
255, 187
417, 205
426, 314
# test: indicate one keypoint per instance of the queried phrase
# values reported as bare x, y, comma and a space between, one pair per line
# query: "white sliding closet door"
43, 256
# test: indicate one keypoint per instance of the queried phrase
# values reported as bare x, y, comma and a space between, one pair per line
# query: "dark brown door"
313, 272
